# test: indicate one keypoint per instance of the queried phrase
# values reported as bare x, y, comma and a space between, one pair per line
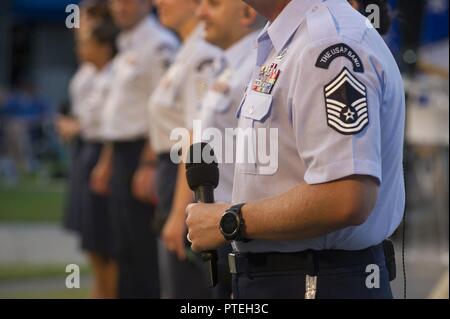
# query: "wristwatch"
232, 224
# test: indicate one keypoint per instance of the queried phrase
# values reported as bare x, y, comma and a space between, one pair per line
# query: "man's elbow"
357, 217
361, 204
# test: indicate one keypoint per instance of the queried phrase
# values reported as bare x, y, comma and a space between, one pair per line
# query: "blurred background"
37, 61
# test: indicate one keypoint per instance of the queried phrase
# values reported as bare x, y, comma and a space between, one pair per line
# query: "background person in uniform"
86, 214
319, 216
92, 13
232, 26
174, 105
25, 113
97, 48
145, 51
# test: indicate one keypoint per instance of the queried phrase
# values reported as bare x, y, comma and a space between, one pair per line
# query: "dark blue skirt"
96, 222
134, 241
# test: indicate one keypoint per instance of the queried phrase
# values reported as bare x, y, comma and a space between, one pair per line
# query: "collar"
191, 42
131, 38
106, 70
287, 23
197, 34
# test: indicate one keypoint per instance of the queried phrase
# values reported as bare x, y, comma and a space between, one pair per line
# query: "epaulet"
320, 23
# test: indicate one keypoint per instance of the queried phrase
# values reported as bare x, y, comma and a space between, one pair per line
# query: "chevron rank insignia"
346, 104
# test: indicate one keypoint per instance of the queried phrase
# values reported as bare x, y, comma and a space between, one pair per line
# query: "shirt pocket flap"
257, 106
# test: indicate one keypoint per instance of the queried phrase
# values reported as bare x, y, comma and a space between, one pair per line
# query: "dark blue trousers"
179, 279
135, 243
223, 290
337, 278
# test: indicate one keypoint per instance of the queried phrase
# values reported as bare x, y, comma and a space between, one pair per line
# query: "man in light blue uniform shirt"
328, 89
232, 26
174, 105
222, 99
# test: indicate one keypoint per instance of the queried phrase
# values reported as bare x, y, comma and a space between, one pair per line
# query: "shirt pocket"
167, 94
255, 115
127, 69
217, 101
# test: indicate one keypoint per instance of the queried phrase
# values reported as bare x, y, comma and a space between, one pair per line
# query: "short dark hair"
97, 9
106, 33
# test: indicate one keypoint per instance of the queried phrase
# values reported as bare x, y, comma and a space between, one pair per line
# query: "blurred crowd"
26, 131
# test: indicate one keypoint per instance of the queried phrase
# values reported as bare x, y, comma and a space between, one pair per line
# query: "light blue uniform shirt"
219, 107
334, 92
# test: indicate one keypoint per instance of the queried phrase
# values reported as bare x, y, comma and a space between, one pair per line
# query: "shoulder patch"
339, 50
165, 47
206, 63
166, 52
346, 104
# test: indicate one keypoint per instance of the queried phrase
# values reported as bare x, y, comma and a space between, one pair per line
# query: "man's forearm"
106, 154
309, 211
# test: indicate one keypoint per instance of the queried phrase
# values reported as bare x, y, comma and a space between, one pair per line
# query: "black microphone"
202, 174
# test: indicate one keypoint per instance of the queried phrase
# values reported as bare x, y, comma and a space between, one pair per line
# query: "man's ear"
355, 4
248, 16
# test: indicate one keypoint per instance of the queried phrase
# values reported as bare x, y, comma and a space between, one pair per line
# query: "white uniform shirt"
91, 115
145, 54
80, 86
176, 101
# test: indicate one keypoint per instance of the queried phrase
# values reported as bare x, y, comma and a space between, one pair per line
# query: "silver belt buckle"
232, 263
311, 287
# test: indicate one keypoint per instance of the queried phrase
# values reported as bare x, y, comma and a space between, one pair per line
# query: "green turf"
20, 273
57, 294
14, 272
32, 201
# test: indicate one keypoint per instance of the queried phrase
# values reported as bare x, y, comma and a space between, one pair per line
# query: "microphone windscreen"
201, 166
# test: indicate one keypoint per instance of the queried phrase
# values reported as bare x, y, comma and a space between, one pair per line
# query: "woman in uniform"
86, 213
92, 11
98, 48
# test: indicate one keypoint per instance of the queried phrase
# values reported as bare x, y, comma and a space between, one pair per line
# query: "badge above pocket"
127, 67
166, 94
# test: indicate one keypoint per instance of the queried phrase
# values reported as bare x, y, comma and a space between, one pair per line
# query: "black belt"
165, 157
311, 261
93, 143
131, 142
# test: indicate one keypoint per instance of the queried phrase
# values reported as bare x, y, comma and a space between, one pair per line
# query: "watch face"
229, 224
